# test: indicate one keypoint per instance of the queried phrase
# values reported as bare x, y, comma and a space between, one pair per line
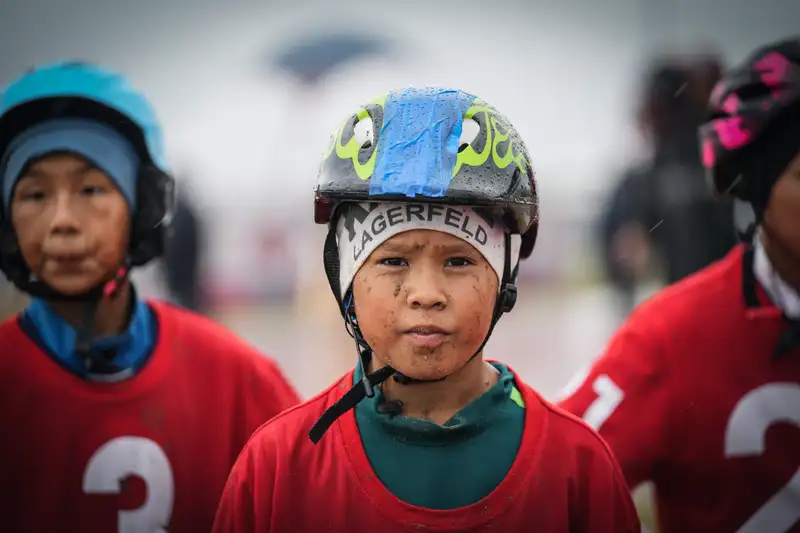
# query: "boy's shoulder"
210, 345
184, 323
12, 341
287, 433
9, 327
560, 429
206, 335
551, 427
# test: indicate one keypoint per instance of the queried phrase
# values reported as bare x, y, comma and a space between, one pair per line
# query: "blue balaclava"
101, 145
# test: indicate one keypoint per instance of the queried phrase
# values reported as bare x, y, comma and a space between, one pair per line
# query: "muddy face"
424, 301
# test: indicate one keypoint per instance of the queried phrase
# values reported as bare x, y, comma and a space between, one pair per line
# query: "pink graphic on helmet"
732, 104
709, 157
773, 69
731, 133
716, 94
744, 105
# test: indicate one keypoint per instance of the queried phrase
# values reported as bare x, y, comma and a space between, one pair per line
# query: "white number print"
747, 428
125, 456
573, 384
609, 396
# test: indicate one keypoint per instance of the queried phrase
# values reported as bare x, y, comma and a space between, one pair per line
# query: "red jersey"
148, 454
563, 480
691, 396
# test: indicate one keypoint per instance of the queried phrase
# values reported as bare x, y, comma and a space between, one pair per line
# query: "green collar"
473, 419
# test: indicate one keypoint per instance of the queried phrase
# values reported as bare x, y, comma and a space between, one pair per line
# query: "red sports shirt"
150, 454
690, 396
563, 480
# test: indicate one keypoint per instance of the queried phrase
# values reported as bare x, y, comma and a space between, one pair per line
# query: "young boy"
699, 392
117, 415
431, 200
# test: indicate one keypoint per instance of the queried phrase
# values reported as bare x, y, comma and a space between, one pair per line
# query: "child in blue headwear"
118, 414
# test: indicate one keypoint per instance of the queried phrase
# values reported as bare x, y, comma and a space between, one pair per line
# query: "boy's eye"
393, 261
91, 190
32, 196
459, 262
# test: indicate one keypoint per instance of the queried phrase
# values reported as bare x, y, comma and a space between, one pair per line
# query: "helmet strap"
91, 300
506, 299
85, 334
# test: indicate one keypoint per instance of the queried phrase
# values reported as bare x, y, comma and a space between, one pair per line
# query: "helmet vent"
364, 132
469, 132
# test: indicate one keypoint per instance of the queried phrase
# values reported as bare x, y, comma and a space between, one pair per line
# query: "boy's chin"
69, 286
429, 367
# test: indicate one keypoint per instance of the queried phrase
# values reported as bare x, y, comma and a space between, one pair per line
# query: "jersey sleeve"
236, 512
270, 394
604, 499
625, 396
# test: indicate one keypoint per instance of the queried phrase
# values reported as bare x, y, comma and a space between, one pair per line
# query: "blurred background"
606, 95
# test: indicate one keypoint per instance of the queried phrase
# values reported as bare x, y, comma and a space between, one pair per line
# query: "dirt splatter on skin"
467, 313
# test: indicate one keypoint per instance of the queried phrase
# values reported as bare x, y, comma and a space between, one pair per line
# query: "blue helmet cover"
81, 80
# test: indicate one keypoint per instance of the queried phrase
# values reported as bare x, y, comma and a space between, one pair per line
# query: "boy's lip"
428, 337
68, 262
67, 257
427, 330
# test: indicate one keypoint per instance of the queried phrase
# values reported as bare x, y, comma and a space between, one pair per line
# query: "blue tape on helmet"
418, 144
93, 83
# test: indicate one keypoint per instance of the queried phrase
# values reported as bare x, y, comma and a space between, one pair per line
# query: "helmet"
752, 130
80, 90
85, 91
434, 145
472, 156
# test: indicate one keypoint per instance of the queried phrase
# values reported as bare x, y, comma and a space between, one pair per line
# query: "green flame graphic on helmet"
495, 126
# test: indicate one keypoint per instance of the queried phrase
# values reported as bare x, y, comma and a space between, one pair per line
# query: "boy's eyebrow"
31, 173
34, 171
450, 248
399, 246
456, 248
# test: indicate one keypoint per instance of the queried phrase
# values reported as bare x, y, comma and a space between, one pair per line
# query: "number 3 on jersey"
747, 429
134, 456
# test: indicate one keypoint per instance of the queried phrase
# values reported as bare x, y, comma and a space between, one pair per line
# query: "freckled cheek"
376, 310
112, 235
481, 296
30, 238
27, 226
363, 281
379, 329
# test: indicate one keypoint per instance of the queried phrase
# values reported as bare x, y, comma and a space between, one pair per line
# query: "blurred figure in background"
699, 391
183, 255
661, 218
706, 72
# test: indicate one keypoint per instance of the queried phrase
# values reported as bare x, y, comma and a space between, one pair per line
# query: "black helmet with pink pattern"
752, 131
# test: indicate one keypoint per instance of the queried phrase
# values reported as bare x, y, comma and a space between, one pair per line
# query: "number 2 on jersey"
134, 456
745, 436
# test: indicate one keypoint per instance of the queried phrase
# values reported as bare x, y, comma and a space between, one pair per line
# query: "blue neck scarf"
133, 346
